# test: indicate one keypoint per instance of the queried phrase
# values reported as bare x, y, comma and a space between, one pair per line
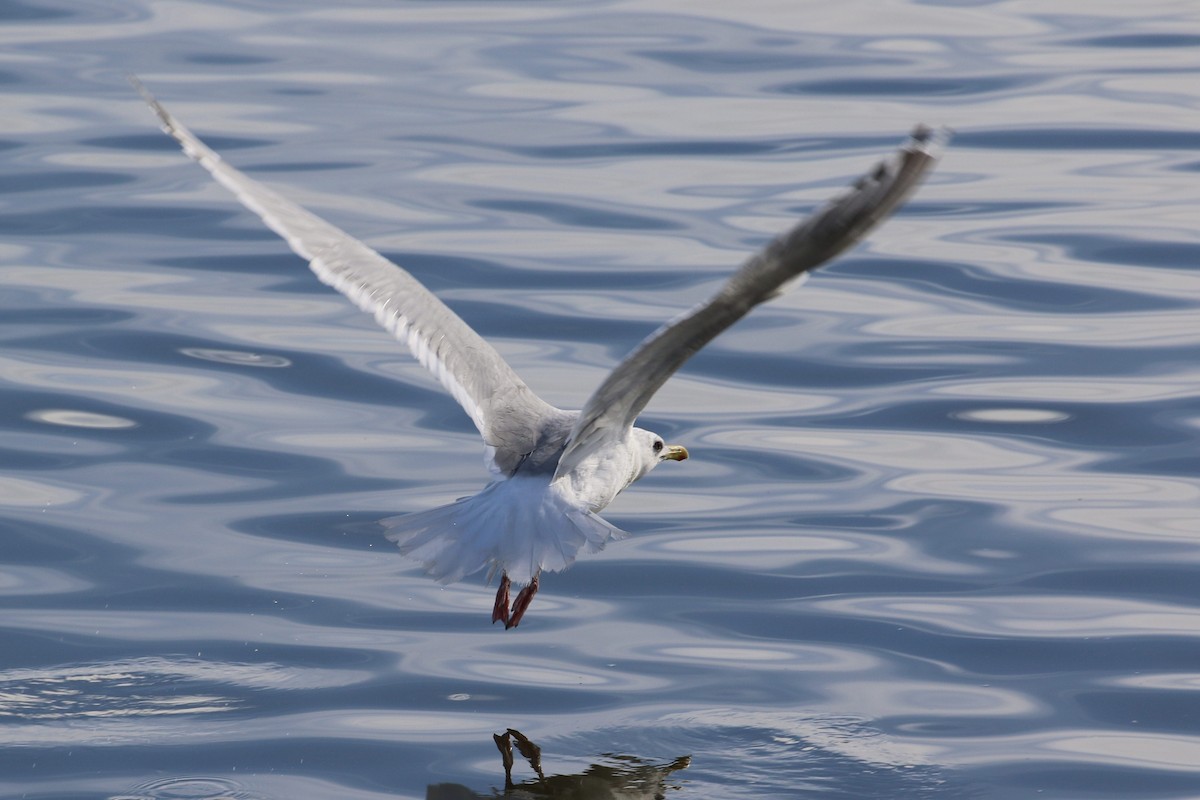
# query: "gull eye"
658, 445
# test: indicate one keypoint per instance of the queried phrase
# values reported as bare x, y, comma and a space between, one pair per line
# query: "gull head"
650, 450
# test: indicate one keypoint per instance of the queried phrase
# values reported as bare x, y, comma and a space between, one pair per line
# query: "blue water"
938, 537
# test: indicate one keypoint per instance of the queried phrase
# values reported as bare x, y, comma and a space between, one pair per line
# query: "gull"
552, 470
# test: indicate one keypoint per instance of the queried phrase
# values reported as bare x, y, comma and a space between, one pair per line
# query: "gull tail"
517, 530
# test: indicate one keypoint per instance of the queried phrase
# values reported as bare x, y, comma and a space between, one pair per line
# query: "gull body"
552, 470
545, 522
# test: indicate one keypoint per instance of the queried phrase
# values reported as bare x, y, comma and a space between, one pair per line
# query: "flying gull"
551, 470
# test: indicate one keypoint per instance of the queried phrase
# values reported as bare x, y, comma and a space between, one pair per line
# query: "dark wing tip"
928, 139
925, 143
923, 147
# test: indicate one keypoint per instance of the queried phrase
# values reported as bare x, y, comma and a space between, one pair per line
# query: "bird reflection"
622, 778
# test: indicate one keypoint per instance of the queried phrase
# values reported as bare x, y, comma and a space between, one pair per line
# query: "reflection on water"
937, 537
618, 778
744, 755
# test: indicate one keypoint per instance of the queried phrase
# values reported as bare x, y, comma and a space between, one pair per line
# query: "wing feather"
507, 413
614, 406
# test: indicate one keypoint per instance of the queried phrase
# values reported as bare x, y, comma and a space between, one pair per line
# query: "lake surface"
939, 536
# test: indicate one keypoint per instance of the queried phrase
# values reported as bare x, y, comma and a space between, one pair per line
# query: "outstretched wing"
506, 411
614, 406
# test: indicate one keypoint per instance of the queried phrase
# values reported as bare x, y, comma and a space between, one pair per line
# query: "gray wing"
614, 406
507, 413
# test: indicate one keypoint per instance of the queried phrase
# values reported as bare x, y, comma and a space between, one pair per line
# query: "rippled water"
938, 537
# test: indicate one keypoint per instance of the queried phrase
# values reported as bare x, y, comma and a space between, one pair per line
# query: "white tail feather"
517, 526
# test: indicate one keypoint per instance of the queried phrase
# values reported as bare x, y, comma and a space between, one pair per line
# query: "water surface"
938, 536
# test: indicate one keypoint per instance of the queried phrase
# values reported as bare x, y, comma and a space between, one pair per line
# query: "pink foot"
524, 598
500, 610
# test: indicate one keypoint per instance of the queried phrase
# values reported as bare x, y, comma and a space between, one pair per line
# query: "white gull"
552, 470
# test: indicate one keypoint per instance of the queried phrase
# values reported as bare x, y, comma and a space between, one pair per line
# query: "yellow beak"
675, 452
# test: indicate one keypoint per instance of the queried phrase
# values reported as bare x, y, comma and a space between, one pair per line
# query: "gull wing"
840, 223
507, 413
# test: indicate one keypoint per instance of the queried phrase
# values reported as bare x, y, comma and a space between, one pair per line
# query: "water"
938, 536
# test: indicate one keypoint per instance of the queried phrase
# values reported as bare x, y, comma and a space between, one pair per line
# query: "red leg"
500, 610
524, 598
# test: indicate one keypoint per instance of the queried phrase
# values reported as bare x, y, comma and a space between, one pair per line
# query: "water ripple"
937, 536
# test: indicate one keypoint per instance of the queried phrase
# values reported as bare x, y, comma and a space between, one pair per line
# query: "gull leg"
524, 598
500, 609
